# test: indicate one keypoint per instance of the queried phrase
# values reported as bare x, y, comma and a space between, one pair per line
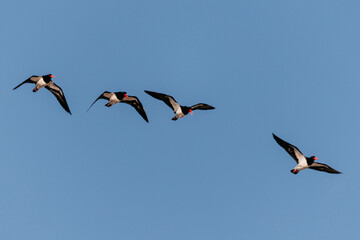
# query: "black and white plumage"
180, 111
45, 81
302, 161
116, 97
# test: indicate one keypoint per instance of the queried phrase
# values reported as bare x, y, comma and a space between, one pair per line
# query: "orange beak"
315, 158
125, 95
52, 76
190, 111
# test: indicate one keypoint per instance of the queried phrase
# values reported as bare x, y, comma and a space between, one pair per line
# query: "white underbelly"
179, 115
113, 99
301, 166
41, 83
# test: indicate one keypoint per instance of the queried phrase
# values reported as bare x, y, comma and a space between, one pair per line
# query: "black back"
185, 110
120, 95
310, 160
47, 78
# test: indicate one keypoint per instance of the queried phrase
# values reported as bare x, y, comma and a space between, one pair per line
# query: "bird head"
314, 158
51, 76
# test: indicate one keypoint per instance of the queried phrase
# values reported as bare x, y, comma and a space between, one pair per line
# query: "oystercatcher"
302, 161
45, 81
116, 97
180, 111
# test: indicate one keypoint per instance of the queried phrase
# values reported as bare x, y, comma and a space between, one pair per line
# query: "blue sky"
288, 67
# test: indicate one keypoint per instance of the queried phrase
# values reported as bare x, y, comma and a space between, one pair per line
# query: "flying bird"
302, 161
45, 81
180, 111
116, 97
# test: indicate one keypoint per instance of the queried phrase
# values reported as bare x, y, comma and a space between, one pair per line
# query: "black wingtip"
274, 136
150, 92
17, 86
277, 139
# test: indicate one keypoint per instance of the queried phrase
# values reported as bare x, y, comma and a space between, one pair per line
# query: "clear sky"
288, 67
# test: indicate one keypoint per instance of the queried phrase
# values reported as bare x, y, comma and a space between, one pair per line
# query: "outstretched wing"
322, 167
169, 100
32, 79
59, 94
135, 102
104, 95
202, 106
291, 149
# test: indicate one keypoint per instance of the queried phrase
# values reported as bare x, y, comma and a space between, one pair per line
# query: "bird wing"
169, 100
322, 167
291, 149
32, 79
104, 95
59, 94
202, 106
135, 102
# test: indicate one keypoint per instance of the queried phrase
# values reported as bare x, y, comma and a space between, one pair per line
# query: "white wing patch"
108, 95
301, 158
176, 106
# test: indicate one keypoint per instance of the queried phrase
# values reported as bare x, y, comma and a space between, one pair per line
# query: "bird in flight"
45, 81
302, 161
180, 111
116, 97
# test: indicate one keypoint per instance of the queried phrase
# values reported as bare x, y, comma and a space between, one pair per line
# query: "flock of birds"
180, 111
114, 97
